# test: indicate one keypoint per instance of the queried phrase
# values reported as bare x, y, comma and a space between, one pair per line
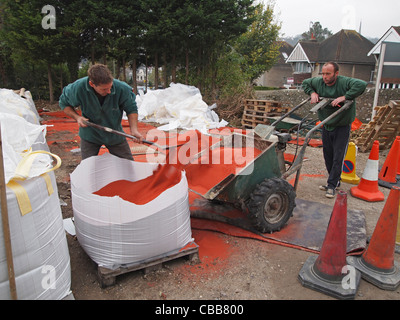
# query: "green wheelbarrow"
260, 189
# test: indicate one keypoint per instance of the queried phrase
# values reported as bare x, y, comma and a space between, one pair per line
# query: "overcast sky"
375, 16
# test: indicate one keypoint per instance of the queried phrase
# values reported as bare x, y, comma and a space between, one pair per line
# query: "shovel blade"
264, 131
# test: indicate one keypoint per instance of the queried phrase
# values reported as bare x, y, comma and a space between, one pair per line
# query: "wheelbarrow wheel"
271, 205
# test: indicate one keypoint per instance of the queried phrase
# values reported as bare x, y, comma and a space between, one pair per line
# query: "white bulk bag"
13, 103
39, 245
40, 251
19, 138
114, 232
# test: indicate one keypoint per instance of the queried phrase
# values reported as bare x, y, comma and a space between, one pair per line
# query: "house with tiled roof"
348, 48
304, 59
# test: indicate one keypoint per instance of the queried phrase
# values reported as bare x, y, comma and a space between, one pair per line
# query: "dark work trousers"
122, 150
335, 145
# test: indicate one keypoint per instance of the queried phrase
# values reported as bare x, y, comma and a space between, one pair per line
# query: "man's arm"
133, 125
70, 112
309, 89
355, 88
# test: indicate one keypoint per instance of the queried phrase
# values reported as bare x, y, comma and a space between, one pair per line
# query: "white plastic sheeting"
179, 106
115, 232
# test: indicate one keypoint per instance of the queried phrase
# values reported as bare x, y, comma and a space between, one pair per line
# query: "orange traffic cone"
387, 175
367, 189
377, 264
398, 166
325, 273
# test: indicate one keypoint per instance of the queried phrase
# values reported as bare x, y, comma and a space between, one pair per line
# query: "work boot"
330, 193
325, 187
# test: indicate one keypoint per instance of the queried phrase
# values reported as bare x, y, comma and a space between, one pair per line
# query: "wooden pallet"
107, 277
384, 127
257, 112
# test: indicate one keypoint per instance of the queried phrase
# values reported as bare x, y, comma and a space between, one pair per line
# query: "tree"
189, 35
259, 46
24, 32
215, 25
316, 31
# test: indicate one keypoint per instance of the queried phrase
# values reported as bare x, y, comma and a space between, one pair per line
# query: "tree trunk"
173, 67
61, 80
187, 67
124, 69
3, 73
199, 67
147, 75
51, 93
165, 69
134, 67
156, 72
118, 69
73, 68
92, 49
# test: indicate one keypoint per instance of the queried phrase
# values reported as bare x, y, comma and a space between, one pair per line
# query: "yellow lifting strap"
24, 166
22, 172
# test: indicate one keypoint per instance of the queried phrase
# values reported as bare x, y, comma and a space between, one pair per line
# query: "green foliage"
316, 31
217, 45
258, 45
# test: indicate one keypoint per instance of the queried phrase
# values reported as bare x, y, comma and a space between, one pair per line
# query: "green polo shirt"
109, 114
351, 88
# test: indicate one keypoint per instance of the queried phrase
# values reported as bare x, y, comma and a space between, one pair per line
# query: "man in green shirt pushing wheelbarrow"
336, 132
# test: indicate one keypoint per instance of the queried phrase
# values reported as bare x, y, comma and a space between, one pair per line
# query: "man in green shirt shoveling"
336, 132
102, 101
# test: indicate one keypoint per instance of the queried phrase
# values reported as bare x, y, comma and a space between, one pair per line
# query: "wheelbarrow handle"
290, 112
296, 166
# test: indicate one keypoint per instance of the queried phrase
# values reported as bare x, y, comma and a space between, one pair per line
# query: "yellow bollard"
349, 166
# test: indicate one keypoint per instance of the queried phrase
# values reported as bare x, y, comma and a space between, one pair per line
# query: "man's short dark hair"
100, 74
334, 65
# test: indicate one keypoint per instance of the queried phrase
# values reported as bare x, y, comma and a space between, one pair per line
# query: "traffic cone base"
370, 196
386, 280
332, 287
389, 185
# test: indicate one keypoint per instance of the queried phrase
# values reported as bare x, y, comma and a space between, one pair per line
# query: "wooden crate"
107, 277
384, 127
257, 112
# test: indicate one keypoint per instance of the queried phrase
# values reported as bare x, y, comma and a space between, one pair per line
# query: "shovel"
97, 126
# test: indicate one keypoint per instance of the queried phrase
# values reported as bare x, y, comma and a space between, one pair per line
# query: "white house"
393, 36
